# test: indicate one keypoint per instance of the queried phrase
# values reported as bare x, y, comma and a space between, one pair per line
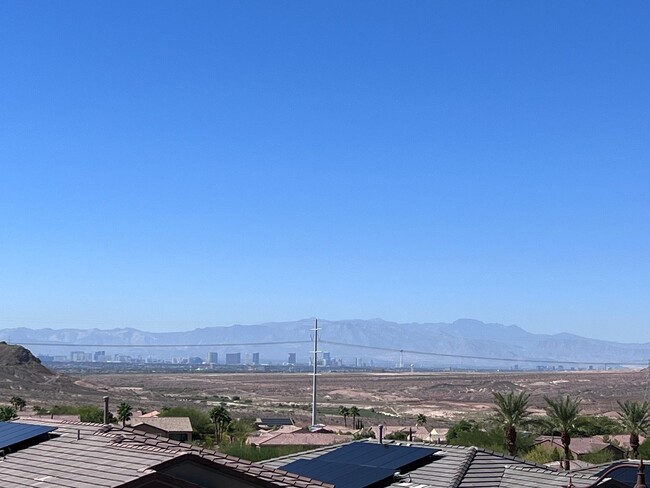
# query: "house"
299, 437
272, 422
371, 464
50, 453
581, 446
140, 413
620, 440
403, 432
439, 434
175, 428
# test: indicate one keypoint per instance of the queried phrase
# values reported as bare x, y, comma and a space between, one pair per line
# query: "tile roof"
168, 424
301, 439
623, 440
579, 445
85, 455
518, 476
464, 467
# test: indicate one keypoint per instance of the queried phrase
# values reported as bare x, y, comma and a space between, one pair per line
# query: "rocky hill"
22, 374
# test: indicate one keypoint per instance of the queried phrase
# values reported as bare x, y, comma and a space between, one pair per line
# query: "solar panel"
12, 433
378, 455
339, 474
359, 464
276, 421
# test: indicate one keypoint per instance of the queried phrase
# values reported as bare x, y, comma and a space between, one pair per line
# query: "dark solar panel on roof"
339, 474
359, 464
276, 421
380, 455
12, 433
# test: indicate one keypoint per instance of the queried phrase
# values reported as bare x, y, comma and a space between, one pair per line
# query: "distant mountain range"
376, 342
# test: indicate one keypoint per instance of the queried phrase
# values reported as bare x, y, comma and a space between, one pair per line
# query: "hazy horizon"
323, 324
245, 162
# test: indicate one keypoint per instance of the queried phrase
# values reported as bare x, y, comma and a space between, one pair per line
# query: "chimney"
640, 476
381, 434
105, 410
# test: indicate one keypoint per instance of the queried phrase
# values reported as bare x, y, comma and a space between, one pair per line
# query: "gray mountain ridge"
508, 344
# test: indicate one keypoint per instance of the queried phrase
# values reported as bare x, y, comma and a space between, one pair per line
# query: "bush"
470, 433
598, 457
588, 426
90, 413
540, 455
398, 436
256, 454
461, 427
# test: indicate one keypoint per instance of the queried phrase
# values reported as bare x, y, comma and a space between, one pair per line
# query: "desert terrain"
391, 397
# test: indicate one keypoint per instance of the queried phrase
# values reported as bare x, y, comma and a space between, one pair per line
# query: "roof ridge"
513, 458
572, 474
464, 467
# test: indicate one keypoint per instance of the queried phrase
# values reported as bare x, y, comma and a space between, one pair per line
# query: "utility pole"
314, 375
647, 383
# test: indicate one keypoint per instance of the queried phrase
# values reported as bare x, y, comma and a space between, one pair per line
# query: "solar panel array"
12, 433
275, 421
360, 464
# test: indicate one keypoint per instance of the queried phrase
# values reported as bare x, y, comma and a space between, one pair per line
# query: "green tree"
635, 417
421, 419
512, 412
354, 413
221, 419
563, 414
491, 439
459, 428
398, 435
7, 413
345, 413
18, 403
124, 413
590, 425
92, 413
539, 454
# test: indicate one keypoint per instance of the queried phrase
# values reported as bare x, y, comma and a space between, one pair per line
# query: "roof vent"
401, 477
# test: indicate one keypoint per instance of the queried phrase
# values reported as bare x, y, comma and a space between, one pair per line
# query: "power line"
333, 343
465, 356
135, 346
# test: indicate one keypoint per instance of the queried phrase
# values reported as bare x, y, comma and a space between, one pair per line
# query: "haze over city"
168, 166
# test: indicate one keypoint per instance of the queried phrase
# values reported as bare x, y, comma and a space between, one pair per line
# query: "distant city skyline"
211, 164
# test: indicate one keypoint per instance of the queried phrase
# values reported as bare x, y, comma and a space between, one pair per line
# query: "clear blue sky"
167, 165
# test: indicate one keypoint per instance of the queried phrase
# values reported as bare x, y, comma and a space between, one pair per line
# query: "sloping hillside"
21, 373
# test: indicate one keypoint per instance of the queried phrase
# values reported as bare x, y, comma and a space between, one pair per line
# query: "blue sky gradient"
169, 165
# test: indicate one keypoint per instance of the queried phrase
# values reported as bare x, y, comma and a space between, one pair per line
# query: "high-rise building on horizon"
233, 358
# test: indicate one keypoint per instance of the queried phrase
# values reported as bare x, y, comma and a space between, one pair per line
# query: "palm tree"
354, 413
421, 419
124, 413
512, 411
562, 414
7, 413
18, 403
221, 419
635, 417
345, 413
